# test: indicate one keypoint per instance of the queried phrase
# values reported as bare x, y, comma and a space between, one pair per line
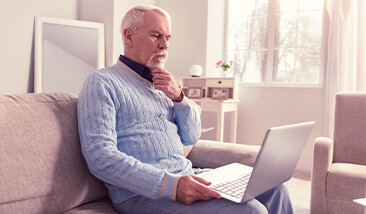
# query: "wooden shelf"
208, 84
203, 88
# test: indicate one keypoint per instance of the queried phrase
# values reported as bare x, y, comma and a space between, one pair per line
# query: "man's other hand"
164, 81
192, 188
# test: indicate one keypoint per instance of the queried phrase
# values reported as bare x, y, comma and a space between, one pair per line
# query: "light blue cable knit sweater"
132, 135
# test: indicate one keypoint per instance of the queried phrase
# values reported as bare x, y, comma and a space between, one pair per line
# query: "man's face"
150, 44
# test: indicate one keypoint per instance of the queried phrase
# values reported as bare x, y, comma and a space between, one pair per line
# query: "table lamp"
195, 70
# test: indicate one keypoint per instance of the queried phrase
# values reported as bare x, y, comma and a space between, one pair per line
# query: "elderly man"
133, 121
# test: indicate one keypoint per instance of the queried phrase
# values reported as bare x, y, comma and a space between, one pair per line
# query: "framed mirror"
66, 52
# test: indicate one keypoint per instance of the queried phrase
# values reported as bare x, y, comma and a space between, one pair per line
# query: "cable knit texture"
132, 135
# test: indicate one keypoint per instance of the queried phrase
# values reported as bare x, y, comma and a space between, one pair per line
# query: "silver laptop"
280, 152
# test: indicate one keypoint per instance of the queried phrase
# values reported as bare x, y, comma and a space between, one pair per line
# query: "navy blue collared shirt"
142, 70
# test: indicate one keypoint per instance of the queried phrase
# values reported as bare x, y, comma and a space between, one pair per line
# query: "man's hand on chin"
163, 80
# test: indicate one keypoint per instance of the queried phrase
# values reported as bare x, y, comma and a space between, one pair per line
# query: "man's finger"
159, 71
160, 77
204, 189
201, 180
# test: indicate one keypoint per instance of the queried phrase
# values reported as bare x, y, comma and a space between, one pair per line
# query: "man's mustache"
159, 53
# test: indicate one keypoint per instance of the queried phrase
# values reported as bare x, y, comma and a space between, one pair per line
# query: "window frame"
271, 24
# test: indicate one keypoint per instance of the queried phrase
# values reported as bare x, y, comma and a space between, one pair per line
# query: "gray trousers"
275, 201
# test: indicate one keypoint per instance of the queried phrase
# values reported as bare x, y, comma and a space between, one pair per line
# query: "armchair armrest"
212, 154
322, 161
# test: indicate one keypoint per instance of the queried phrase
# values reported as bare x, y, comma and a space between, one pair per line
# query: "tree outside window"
275, 41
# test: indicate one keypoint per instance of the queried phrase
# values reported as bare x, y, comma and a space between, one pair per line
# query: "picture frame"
66, 52
194, 92
220, 93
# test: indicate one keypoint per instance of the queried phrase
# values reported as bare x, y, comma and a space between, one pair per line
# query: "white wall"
189, 33
215, 35
100, 11
17, 39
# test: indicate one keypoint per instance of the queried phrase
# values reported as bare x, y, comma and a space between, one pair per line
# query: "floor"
299, 188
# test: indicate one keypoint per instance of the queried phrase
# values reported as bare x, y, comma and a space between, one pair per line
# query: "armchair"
339, 164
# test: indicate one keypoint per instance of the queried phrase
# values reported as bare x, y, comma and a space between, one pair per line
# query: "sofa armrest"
212, 154
322, 161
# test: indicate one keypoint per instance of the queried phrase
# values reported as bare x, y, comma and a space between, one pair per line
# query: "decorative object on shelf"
225, 67
195, 92
195, 70
220, 93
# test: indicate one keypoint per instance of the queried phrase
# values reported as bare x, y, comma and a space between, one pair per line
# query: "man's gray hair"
134, 18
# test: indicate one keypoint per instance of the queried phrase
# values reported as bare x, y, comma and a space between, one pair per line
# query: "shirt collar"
142, 70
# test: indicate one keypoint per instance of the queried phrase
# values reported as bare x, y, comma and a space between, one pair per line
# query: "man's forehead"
156, 21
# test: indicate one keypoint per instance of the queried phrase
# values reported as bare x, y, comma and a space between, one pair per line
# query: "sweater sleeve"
98, 136
187, 118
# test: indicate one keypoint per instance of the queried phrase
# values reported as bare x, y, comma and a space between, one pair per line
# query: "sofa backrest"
350, 128
41, 165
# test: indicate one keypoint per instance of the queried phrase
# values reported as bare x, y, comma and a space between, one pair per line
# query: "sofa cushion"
42, 168
346, 181
100, 206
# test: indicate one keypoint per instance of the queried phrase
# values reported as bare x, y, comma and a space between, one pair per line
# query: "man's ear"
127, 34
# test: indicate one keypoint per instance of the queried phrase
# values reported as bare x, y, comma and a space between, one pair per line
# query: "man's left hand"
163, 80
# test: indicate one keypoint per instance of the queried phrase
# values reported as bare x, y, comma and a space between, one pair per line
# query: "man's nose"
164, 44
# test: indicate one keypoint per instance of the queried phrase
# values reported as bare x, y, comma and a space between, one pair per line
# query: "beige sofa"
339, 165
42, 169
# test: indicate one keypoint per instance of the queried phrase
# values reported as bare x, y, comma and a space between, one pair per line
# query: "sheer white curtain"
345, 58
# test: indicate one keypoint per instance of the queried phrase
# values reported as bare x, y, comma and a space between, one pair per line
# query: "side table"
220, 107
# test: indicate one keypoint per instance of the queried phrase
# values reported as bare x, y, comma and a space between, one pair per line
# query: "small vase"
225, 73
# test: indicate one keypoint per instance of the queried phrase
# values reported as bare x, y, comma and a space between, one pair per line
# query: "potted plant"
224, 67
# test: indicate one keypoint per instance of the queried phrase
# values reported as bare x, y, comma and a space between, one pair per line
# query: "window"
275, 41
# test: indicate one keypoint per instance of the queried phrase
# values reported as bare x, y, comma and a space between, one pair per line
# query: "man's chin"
155, 65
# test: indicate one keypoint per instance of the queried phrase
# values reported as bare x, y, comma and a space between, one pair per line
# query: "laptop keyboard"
235, 188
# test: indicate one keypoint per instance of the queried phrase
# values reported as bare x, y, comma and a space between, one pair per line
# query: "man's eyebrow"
156, 31
160, 33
